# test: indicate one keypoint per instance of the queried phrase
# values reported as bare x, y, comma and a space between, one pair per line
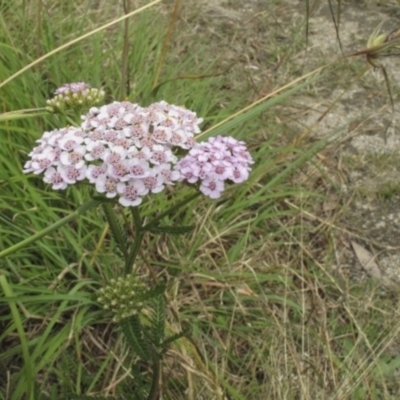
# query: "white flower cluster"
74, 95
123, 149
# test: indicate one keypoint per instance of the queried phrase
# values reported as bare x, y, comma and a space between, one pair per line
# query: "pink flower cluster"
127, 151
215, 161
123, 149
76, 87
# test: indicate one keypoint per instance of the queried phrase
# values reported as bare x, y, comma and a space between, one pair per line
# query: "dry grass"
292, 312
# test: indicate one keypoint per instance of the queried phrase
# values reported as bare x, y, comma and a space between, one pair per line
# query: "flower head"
74, 96
124, 150
215, 161
60, 156
127, 151
123, 296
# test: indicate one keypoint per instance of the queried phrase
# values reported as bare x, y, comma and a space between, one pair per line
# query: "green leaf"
140, 391
175, 337
78, 212
152, 293
172, 230
117, 230
86, 397
158, 321
133, 332
28, 369
22, 114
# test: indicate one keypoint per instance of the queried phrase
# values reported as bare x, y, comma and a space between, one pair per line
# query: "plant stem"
80, 210
139, 233
140, 229
137, 219
155, 384
125, 55
39, 8
167, 41
117, 232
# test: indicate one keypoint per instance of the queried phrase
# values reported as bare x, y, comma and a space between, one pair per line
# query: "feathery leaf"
133, 331
175, 337
117, 231
173, 230
158, 321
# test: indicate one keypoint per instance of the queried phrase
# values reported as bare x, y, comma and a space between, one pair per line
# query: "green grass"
270, 315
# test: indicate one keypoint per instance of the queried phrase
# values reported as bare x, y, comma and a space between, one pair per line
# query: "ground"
355, 106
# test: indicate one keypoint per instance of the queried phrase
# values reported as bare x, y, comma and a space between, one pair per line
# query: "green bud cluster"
74, 96
123, 296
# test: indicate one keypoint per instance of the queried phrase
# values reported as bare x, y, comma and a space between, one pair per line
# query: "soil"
356, 103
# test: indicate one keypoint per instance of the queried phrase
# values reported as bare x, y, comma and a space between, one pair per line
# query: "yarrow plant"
126, 152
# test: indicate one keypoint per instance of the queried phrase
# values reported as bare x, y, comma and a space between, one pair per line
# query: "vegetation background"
289, 282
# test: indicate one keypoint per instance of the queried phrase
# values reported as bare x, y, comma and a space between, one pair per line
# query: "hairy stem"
140, 229
155, 384
139, 233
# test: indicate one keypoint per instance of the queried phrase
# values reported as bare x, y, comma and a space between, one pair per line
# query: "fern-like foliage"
157, 322
157, 328
133, 331
153, 293
173, 338
172, 230
67, 369
137, 396
117, 231
141, 388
